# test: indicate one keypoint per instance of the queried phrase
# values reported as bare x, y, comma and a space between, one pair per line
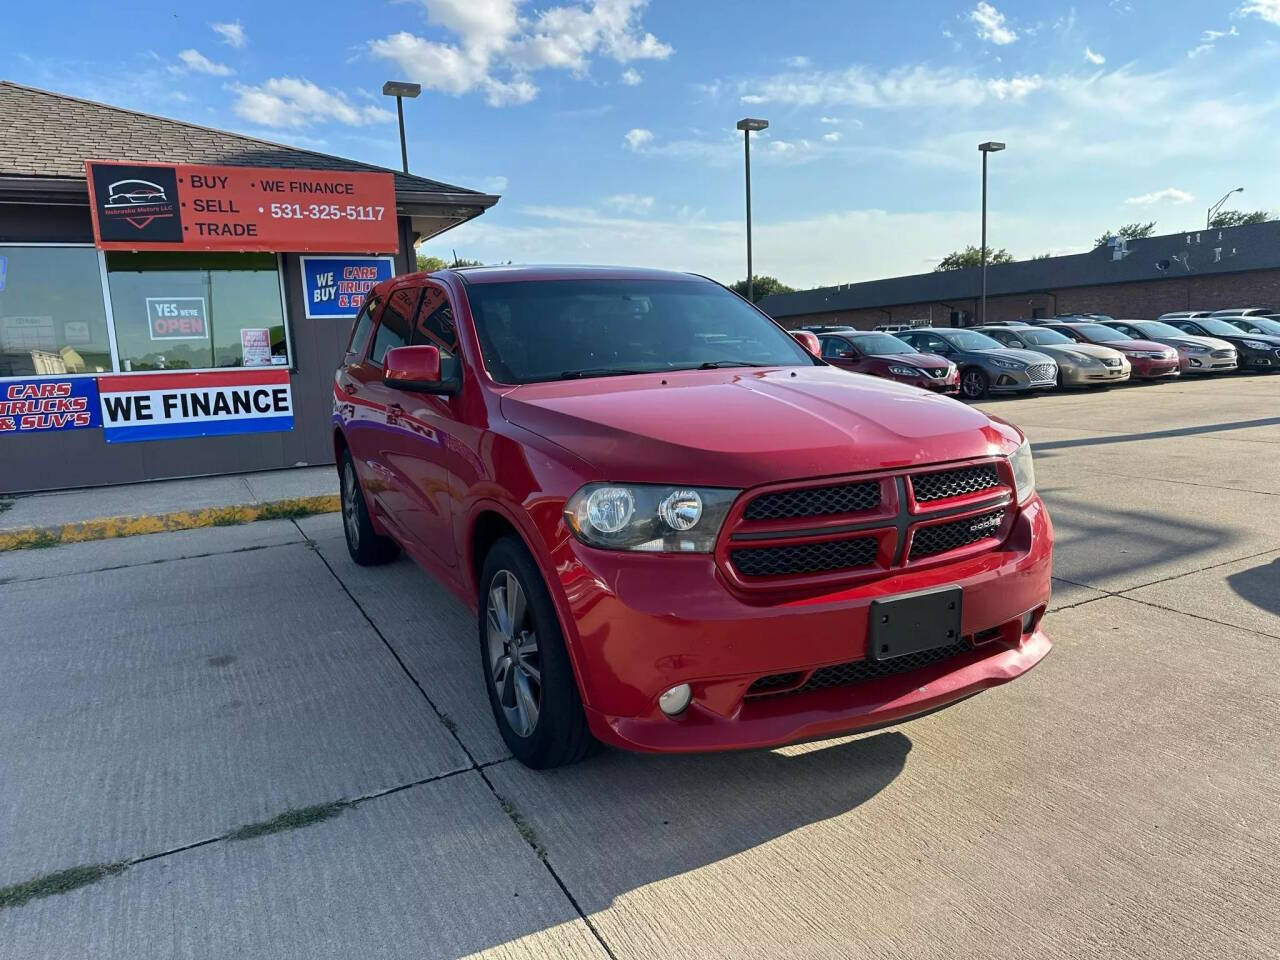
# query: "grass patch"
15, 895
290, 820
229, 519
527, 832
37, 540
286, 511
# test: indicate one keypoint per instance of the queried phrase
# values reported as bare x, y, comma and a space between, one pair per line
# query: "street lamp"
991, 146
746, 125
1208, 217
401, 89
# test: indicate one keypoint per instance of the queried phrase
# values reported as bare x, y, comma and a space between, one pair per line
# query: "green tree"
763, 287
1238, 218
427, 264
1130, 231
972, 257
1041, 256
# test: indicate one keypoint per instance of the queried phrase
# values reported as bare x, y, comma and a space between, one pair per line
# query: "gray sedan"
986, 365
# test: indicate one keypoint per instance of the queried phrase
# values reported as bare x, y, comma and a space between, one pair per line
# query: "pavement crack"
152, 563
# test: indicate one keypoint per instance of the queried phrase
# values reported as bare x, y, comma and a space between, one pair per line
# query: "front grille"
954, 483
942, 537
805, 557
940, 372
815, 501
1041, 372
1222, 354
859, 671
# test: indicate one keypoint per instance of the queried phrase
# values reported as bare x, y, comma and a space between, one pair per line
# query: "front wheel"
531, 685
366, 546
973, 384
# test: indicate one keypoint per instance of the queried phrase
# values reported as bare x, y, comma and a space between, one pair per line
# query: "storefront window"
178, 311
52, 318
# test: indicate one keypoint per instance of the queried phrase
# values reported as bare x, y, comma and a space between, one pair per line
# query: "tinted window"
1219, 328
1099, 333
972, 340
361, 330
549, 330
881, 344
1154, 328
834, 348
1044, 338
52, 317
393, 328
1004, 336
434, 327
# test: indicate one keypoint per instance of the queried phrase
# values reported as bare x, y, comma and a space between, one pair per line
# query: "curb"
108, 528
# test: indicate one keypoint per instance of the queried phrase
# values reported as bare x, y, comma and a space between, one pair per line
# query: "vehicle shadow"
1259, 585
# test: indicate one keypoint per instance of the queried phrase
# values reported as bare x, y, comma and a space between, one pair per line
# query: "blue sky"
607, 125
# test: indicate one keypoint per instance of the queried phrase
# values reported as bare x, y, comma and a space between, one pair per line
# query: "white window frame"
113, 347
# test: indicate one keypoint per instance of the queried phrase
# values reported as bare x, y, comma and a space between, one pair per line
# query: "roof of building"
1230, 250
51, 135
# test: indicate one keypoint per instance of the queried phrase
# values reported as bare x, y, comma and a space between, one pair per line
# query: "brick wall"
1143, 301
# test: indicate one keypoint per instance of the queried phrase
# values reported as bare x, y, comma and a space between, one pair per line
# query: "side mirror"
416, 368
808, 340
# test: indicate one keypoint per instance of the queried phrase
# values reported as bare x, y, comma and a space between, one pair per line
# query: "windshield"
1219, 327
1154, 328
1265, 324
554, 330
881, 344
969, 340
1096, 331
1044, 338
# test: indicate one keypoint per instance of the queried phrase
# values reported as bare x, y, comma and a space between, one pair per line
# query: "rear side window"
393, 328
361, 329
434, 327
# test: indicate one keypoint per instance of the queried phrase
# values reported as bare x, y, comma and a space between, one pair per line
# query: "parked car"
1007, 323
1182, 315
1243, 312
1149, 360
680, 530
1195, 354
1257, 351
986, 365
892, 327
825, 328
1079, 364
884, 355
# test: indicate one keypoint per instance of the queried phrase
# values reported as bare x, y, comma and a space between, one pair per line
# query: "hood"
1015, 353
1193, 340
1067, 351
1270, 339
739, 428
1145, 345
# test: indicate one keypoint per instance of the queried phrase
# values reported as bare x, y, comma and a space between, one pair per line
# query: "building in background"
1204, 269
174, 299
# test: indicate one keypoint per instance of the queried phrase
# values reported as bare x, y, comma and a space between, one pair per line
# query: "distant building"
1202, 269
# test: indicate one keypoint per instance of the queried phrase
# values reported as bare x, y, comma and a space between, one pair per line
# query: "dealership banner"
167, 406
337, 286
152, 206
37, 406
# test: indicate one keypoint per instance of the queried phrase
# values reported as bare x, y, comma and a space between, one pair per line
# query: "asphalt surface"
1121, 800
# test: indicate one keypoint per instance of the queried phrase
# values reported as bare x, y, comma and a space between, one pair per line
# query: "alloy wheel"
514, 664
972, 384
351, 505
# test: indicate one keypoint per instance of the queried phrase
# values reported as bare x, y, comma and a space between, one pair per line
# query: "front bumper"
1145, 368
1260, 360
643, 623
949, 384
1205, 363
1093, 376
1017, 381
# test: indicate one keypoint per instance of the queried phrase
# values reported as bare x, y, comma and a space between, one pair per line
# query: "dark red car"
1149, 360
884, 355
680, 530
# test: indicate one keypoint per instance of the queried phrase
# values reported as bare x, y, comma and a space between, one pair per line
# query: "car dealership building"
1140, 279
174, 299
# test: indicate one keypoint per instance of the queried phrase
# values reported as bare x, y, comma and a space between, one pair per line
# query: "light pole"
401, 89
1208, 217
746, 125
991, 146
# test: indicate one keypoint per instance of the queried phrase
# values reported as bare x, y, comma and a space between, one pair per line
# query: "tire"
532, 690
367, 547
973, 383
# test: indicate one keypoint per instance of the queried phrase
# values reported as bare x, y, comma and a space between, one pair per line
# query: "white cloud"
1167, 195
829, 120
638, 137
832, 137
1268, 10
631, 77
1095, 58
196, 62
297, 102
494, 184
1209, 36
629, 203
232, 33
494, 49
798, 63
992, 25
1199, 50
902, 87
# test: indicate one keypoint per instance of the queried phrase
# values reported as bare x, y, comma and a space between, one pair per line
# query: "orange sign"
153, 206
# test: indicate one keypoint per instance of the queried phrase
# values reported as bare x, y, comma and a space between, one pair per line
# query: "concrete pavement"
1119, 801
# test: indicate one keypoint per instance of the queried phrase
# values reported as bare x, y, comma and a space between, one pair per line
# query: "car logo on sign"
141, 194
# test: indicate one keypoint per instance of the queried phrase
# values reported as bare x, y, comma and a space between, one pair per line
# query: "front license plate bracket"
914, 622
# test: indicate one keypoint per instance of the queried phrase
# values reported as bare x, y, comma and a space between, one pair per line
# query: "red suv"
682, 531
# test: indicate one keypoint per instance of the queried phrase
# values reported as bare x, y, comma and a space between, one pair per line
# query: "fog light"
1028, 621
1195, 362
675, 700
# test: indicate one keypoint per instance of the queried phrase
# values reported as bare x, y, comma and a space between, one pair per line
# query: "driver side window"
837, 348
1008, 339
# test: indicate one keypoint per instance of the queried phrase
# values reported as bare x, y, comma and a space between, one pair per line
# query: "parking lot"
160, 693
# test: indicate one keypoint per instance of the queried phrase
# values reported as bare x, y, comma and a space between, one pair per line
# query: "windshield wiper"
599, 372
716, 364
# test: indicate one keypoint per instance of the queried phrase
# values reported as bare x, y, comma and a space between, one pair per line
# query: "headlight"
649, 517
1024, 472
1256, 345
1084, 359
1008, 364
904, 371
